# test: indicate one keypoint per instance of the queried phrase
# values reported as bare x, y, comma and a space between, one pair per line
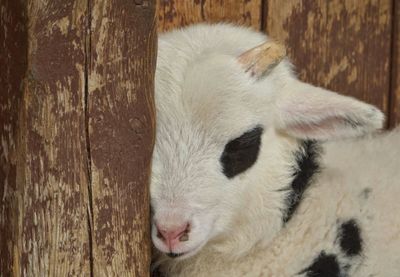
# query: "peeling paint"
44, 200
121, 148
395, 68
180, 13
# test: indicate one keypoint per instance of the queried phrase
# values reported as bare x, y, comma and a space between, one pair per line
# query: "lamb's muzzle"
172, 236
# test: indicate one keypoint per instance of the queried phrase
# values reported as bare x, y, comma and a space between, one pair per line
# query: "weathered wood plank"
341, 45
180, 13
395, 85
44, 208
13, 52
121, 114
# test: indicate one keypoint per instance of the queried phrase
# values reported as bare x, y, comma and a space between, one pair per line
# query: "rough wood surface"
395, 85
341, 45
181, 12
121, 126
44, 194
77, 131
13, 43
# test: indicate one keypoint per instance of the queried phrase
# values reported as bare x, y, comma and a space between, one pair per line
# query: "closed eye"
241, 153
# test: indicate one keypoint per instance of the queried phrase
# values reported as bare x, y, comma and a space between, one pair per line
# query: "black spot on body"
241, 153
306, 167
325, 265
349, 237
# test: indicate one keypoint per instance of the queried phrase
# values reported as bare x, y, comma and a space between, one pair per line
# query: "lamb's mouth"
186, 254
178, 255
175, 255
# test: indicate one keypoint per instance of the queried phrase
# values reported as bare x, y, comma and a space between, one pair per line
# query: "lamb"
256, 173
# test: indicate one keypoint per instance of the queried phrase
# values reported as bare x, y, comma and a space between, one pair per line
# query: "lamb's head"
227, 131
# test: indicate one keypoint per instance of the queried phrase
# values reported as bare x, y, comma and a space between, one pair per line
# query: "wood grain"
77, 131
44, 205
121, 128
181, 13
13, 43
341, 45
395, 85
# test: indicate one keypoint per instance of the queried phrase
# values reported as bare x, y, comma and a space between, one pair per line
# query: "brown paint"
121, 133
14, 46
52, 215
395, 81
53, 187
181, 13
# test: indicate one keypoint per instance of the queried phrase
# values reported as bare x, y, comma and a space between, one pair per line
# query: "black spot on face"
323, 266
241, 153
350, 238
306, 167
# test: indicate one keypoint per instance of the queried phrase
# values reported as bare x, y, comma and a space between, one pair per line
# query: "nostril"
184, 237
159, 235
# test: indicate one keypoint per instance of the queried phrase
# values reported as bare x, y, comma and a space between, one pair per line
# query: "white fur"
205, 99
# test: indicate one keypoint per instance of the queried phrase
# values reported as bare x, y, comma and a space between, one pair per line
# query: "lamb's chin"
185, 254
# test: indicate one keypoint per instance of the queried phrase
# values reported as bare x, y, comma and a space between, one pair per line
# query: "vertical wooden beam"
13, 54
43, 218
395, 83
172, 14
48, 221
341, 45
121, 128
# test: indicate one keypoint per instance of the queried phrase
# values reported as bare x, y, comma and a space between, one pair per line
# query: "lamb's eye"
241, 153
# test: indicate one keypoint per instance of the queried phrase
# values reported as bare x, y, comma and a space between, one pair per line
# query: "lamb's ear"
309, 112
262, 58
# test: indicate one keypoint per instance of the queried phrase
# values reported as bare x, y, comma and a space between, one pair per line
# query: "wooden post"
394, 96
76, 135
122, 63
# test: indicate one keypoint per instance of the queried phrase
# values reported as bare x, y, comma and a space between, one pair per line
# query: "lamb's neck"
267, 211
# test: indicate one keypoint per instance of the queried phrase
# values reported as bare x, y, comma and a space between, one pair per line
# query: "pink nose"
172, 236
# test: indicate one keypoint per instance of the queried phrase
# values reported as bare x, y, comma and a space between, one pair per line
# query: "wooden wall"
76, 137
395, 66
349, 46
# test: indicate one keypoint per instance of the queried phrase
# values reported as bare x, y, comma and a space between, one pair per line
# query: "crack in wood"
394, 67
87, 135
